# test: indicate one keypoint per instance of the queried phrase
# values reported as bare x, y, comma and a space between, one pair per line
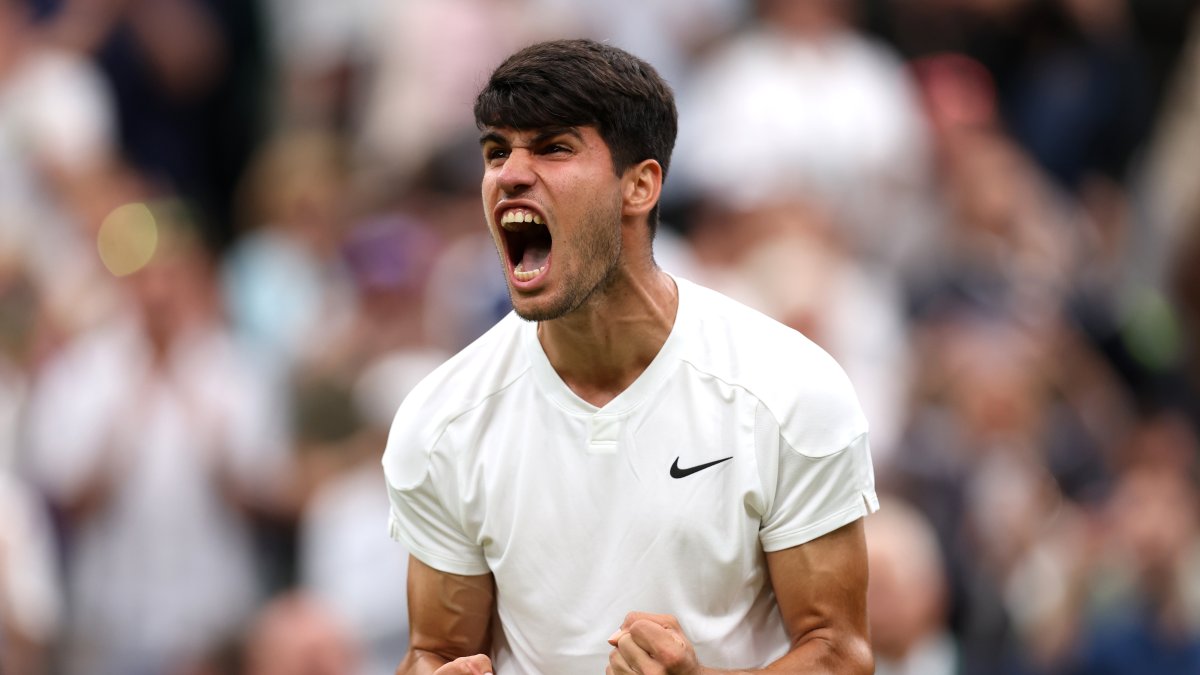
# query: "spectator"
187, 78
801, 103
285, 282
57, 138
295, 635
908, 596
993, 436
1143, 602
171, 442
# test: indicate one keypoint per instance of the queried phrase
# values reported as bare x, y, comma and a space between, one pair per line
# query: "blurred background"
234, 233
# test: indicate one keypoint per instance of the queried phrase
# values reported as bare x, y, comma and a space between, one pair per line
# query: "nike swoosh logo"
677, 472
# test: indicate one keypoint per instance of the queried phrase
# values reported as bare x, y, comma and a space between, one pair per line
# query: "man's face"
553, 204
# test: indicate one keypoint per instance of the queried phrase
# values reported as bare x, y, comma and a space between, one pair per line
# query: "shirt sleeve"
813, 494
424, 516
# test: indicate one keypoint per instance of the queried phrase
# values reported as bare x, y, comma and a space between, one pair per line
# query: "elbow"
851, 655
859, 657
848, 655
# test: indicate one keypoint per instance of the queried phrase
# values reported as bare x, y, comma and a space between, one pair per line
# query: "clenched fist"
651, 644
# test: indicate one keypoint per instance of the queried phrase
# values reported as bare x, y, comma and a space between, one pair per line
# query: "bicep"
821, 588
449, 614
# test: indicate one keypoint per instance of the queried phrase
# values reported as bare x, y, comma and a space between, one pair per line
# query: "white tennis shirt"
741, 436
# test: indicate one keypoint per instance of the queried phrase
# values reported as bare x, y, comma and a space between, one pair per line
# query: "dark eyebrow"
550, 132
493, 136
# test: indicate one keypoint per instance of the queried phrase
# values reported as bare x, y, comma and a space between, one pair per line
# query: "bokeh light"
127, 239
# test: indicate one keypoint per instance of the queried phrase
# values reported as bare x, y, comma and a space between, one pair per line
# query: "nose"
516, 175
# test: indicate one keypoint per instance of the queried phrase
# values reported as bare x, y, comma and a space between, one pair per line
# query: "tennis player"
630, 473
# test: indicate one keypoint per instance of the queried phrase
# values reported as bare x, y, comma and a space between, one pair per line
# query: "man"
643, 475
172, 451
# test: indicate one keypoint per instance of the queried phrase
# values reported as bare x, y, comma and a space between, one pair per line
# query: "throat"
599, 353
596, 372
596, 394
535, 255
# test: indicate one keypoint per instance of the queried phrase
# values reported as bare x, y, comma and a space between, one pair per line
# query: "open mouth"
527, 241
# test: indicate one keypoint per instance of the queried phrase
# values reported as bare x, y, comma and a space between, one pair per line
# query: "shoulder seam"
451, 419
792, 446
766, 406
724, 380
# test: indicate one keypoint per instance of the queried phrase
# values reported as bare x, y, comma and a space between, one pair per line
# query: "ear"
641, 186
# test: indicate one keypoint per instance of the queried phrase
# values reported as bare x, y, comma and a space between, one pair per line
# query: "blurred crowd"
233, 234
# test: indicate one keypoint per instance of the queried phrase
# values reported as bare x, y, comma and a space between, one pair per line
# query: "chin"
536, 313
538, 309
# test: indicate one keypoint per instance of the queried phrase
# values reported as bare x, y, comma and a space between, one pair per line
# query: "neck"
602, 347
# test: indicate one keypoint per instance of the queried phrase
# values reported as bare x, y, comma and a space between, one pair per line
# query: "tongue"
536, 254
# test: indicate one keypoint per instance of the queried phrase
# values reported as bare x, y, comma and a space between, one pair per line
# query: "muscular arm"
821, 587
449, 618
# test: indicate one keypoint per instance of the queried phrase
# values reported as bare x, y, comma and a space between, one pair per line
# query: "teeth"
515, 216
521, 275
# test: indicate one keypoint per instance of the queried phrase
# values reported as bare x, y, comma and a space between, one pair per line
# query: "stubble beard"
597, 245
